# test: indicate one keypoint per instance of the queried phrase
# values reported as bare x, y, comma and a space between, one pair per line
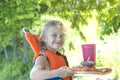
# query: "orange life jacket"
56, 61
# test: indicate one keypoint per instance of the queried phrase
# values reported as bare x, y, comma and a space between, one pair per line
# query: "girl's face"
54, 38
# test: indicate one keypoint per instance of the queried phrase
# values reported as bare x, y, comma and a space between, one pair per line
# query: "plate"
97, 70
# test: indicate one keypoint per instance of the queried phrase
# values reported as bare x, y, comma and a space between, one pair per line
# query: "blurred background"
86, 21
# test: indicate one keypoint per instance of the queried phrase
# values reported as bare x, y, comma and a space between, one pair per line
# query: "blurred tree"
110, 20
78, 12
16, 14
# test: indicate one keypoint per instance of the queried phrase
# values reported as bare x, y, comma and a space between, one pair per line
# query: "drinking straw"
88, 58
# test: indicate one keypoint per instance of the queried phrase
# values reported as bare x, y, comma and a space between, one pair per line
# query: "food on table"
88, 64
89, 67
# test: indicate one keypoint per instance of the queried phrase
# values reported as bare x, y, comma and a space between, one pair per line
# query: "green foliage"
43, 7
15, 70
14, 15
110, 26
109, 22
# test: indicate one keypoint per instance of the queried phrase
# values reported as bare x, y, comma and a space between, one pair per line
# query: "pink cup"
89, 52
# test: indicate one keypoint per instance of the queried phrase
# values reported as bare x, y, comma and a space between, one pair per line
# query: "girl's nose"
59, 38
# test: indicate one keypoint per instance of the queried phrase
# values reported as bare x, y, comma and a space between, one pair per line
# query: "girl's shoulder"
42, 62
41, 57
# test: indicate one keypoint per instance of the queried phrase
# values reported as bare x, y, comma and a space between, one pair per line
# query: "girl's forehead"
55, 30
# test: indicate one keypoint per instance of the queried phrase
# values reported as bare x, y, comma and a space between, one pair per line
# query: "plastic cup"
89, 52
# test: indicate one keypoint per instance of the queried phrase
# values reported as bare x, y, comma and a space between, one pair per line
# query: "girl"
51, 63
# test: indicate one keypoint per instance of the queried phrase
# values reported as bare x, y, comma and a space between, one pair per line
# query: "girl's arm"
41, 70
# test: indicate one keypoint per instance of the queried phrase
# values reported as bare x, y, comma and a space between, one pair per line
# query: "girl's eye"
54, 35
61, 36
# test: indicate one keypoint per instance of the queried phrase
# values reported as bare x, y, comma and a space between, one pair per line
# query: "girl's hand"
64, 72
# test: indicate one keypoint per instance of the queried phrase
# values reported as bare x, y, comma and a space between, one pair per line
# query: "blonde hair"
47, 26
